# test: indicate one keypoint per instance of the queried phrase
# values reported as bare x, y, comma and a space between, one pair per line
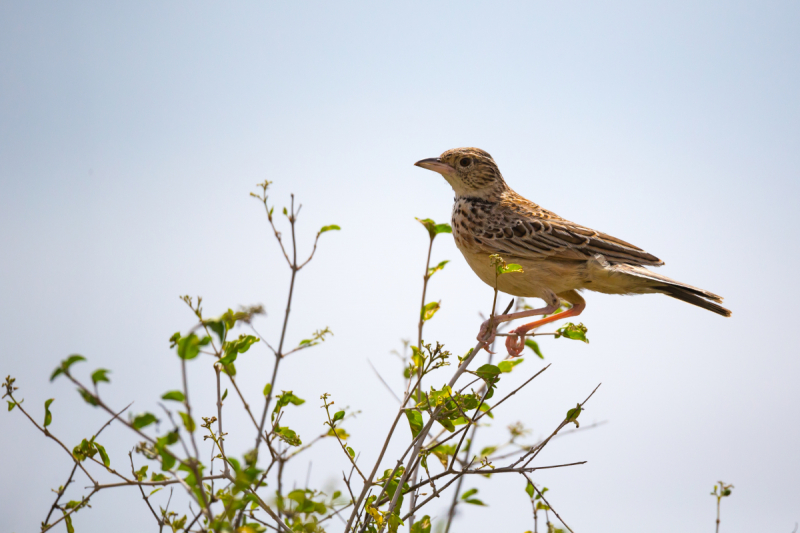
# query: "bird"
559, 258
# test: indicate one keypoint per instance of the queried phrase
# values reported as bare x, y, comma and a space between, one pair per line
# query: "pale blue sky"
132, 133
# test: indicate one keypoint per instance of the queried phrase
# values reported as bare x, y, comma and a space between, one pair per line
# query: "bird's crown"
474, 172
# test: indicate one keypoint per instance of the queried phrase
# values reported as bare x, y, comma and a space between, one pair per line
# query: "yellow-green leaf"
573, 414
103, 455
414, 421
429, 310
48, 416
188, 422
571, 331
533, 345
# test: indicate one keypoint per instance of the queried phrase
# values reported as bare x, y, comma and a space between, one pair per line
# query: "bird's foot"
487, 334
515, 342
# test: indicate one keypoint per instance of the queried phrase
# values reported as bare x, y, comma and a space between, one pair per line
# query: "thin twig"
546, 502
145, 498
50, 435
84, 501
427, 427
383, 381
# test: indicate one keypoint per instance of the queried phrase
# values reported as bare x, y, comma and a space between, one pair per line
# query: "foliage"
245, 490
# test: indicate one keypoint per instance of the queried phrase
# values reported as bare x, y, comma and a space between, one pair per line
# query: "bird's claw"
515, 342
486, 335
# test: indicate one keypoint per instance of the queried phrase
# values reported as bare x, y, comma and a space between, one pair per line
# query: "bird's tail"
697, 297
676, 289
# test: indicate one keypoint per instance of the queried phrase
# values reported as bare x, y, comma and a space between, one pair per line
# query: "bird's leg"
489, 327
516, 344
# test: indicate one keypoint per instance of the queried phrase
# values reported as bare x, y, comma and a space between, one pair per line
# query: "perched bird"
558, 257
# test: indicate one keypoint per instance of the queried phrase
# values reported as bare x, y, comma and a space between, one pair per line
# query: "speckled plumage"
558, 257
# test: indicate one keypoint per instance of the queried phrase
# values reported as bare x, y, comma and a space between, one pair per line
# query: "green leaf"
443, 228
189, 347
338, 432
433, 228
103, 455
414, 421
529, 489
430, 225
100, 375
11, 405
571, 331
350, 451
154, 491
143, 420
141, 473
224, 395
423, 526
487, 451
233, 348
573, 414
155, 476
65, 364
48, 416
83, 450
338, 416
508, 366
188, 423
331, 227
174, 339
229, 358
487, 372
429, 310
475, 501
167, 460
469, 493
267, 389
286, 398
68, 522
218, 326
288, 436
533, 345
432, 270
174, 395
88, 397
501, 267
229, 369
447, 424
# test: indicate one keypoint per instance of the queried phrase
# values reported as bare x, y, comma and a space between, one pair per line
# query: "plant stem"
413, 499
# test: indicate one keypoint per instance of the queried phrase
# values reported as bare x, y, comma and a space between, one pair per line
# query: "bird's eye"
465, 161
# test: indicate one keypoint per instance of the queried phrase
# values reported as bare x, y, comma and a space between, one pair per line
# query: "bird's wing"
523, 229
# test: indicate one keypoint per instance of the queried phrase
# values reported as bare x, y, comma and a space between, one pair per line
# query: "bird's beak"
435, 164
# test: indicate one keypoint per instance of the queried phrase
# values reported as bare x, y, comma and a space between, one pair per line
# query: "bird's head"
470, 171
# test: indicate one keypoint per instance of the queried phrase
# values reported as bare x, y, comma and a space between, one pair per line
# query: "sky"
131, 134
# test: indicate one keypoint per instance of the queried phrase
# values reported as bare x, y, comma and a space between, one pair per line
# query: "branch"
145, 498
84, 501
50, 435
383, 381
534, 452
268, 510
63, 488
546, 502
421, 437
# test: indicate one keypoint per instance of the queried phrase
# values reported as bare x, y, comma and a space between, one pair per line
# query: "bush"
230, 491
